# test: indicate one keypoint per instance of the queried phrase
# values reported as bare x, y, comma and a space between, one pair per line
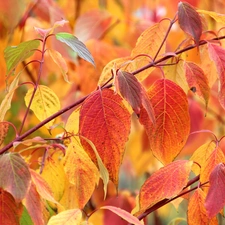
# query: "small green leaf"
76, 46
16, 54
25, 218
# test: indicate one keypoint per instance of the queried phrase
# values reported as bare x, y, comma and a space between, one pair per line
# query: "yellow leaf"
81, 172
68, 217
218, 17
72, 124
44, 104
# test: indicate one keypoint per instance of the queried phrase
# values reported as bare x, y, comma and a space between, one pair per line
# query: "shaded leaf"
196, 210
189, 21
107, 125
148, 43
60, 61
104, 174
8, 209
4, 127
156, 186
76, 46
215, 199
16, 54
34, 205
130, 89
68, 217
6, 102
42, 187
169, 134
81, 172
123, 214
92, 24
196, 78
44, 104
25, 218
14, 175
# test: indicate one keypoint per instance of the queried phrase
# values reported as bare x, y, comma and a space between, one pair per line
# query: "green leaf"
25, 219
76, 46
16, 54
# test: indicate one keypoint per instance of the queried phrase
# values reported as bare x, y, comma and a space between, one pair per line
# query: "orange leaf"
196, 78
68, 217
4, 127
14, 175
148, 43
167, 182
123, 214
189, 21
81, 172
168, 136
8, 209
214, 158
196, 210
215, 199
107, 125
42, 186
34, 205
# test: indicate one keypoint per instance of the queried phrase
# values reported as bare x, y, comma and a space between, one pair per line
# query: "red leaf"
164, 183
196, 78
130, 89
8, 209
169, 134
106, 122
215, 199
189, 20
14, 175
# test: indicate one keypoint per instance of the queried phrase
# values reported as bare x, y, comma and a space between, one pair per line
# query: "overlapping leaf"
68, 217
164, 183
76, 46
196, 210
105, 121
189, 21
8, 209
25, 218
215, 199
218, 17
168, 136
14, 175
44, 104
81, 172
4, 127
16, 54
123, 214
148, 43
196, 78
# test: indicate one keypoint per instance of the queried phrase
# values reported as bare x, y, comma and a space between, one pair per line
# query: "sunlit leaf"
218, 17
196, 210
4, 127
169, 134
34, 205
104, 174
8, 209
44, 104
215, 199
72, 124
107, 125
196, 78
189, 20
123, 214
16, 54
42, 187
76, 46
68, 217
130, 88
164, 183
60, 61
148, 43
6, 102
14, 175
81, 172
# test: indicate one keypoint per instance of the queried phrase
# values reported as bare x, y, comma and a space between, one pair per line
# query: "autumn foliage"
110, 112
